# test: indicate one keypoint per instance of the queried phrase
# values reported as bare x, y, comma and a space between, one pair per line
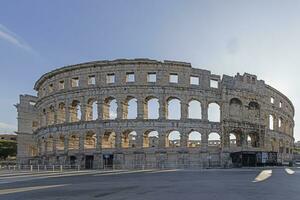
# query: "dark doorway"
108, 161
89, 160
73, 161
244, 159
249, 159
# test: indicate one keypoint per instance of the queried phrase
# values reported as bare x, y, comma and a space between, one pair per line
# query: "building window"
92, 80
32, 103
173, 78
214, 83
34, 124
280, 104
110, 78
51, 88
151, 77
61, 85
279, 122
194, 80
130, 77
272, 100
75, 82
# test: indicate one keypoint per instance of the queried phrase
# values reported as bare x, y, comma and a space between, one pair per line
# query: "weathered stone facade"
59, 125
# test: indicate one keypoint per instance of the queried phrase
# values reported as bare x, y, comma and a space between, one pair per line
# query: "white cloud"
11, 37
7, 128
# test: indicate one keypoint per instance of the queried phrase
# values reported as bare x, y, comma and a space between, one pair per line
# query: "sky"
260, 37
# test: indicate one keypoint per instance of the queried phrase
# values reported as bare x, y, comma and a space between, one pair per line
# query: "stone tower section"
27, 124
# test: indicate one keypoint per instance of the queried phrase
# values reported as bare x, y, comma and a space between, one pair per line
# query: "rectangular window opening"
214, 83
50, 88
151, 77
61, 85
32, 103
130, 77
92, 80
194, 80
173, 78
34, 124
75, 82
110, 78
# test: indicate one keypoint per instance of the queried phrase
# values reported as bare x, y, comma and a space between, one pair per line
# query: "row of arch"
130, 139
236, 109
151, 108
110, 109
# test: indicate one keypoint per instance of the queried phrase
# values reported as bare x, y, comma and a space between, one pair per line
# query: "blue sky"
226, 37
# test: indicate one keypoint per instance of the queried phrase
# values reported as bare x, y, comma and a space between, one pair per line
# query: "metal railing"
101, 166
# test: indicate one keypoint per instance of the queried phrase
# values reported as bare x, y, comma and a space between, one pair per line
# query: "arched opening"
151, 139
213, 112
254, 110
280, 123
44, 117
49, 144
73, 142
288, 127
253, 139
110, 107
92, 109
249, 141
281, 147
51, 115
236, 138
271, 122
194, 110
129, 139
174, 108
61, 143
287, 147
75, 111
42, 145
61, 114
173, 139
130, 108
235, 107
232, 140
214, 140
90, 140
273, 144
109, 140
194, 139
152, 111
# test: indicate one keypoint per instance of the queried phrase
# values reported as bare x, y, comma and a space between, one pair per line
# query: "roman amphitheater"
144, 113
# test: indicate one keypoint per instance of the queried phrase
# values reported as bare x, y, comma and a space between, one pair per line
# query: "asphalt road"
232, 184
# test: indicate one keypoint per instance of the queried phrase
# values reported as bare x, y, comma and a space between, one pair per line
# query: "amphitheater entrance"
108, 161
244, 159
253, 158
73, 161
89, 160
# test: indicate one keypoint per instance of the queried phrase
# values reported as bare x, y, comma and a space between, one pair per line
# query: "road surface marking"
162, 171
124, 172
289, 171
263, 175
26, 189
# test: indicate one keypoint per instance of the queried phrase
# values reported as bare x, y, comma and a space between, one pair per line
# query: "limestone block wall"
27, 124
83, 110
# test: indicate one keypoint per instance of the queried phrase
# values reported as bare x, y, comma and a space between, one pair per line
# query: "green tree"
7, 148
